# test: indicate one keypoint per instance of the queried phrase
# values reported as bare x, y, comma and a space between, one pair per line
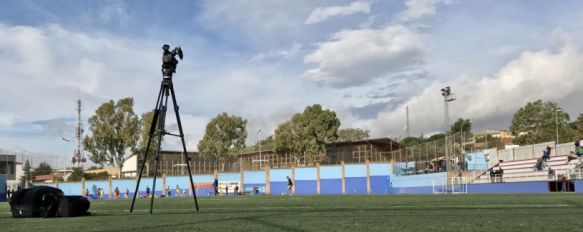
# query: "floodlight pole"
447, 97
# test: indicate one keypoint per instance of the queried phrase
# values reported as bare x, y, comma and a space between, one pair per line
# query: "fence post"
267, 180
111, 191
367, 176
83, 186
293, 168
343, 177
164, 189
318, 178
241, 177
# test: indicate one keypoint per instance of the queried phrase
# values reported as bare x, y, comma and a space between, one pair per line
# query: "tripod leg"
152, 130
161, 130
183, 145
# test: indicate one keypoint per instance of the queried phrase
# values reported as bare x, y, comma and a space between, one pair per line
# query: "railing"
521, 178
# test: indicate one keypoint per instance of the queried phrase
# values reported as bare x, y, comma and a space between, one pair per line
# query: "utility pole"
407, 127
259, 142
557, 124
447, 97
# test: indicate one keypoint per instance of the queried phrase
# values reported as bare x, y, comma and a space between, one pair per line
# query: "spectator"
564, 186
539, 166
551, 173
236, 189
127, 193
226, 190
147, 191
178, 191
547, 154
492, 175
572, 156
290, 185
169, 191
578, 148
86, 193
500, 175
116, 193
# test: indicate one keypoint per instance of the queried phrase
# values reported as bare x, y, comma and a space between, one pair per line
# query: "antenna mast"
78, 157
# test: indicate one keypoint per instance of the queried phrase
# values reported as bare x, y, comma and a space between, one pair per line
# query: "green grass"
532, 212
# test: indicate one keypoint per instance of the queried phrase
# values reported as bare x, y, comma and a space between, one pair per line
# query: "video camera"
169, 60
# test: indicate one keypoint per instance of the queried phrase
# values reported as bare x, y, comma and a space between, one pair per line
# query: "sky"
266, 60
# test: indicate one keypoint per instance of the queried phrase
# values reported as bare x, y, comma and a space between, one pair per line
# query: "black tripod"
157, 128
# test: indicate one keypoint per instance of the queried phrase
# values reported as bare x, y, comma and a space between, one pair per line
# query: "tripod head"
169, 60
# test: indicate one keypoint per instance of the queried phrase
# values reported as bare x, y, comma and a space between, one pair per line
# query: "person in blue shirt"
147, 191
547, 153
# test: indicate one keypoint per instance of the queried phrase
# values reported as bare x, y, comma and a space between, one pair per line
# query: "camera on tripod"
169, 60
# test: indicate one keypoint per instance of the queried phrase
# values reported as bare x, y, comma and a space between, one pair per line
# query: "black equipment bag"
73, 206
45, 201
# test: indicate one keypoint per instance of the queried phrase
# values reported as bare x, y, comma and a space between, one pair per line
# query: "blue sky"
266, 60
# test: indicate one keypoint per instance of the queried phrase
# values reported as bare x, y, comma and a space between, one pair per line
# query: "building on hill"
500, 137
374, 150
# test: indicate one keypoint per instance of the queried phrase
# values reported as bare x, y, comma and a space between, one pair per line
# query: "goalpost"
451, 185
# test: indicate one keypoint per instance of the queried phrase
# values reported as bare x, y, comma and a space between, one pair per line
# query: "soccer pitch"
517, 212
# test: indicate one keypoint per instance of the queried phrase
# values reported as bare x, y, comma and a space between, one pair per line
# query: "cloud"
492, 100
322, 14
255, 21
419, 9
354, 57
291, 52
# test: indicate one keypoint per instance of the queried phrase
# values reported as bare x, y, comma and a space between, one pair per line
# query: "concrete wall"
511, 187
368, 178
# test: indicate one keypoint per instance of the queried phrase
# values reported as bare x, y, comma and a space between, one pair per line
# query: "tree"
43, 168
76, 175
410, 141
114, 133
579, 126
224, 137
27, 177
535, 123
145, 124
352, 134
461, 125
305, 135
266, 144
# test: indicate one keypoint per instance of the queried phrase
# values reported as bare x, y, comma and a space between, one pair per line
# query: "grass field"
540, 212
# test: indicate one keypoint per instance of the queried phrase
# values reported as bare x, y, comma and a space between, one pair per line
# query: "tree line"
117, 133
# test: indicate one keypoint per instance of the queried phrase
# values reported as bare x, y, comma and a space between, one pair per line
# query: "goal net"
451, 185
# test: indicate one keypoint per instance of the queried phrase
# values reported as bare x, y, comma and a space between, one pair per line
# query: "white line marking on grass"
268, 208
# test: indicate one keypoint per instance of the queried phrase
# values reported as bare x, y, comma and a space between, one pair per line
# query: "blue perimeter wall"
382, 181
330, 180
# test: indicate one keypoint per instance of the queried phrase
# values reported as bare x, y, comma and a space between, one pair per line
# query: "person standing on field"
290, 185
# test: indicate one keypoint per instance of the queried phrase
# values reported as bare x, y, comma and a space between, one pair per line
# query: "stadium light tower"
557, 124
447, 97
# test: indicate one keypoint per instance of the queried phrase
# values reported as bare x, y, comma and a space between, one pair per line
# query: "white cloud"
291, 52
257, 21
546, 75
419, 9
354, 57
322, 14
